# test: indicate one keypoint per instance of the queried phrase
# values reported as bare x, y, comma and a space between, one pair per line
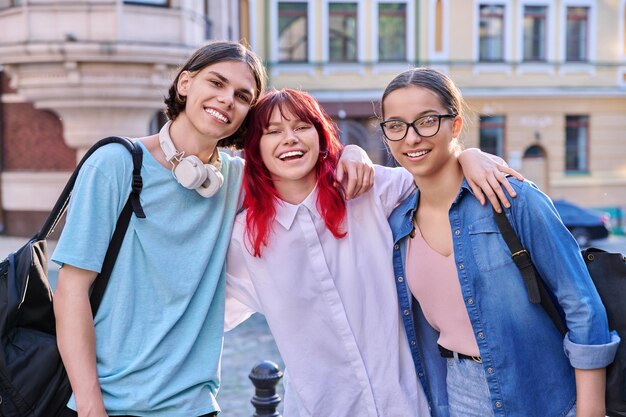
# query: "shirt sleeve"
241, 299
98, 197
392, 186
588, 344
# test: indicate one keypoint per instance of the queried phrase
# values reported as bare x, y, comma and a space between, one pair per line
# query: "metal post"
264, 377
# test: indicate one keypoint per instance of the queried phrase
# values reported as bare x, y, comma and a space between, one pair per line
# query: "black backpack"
33, 381
608, 272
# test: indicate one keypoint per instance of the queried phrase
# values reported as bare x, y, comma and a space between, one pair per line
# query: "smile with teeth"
290, 154
219, 116
417, 153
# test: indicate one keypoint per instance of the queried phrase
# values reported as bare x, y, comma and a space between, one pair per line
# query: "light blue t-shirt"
159, 328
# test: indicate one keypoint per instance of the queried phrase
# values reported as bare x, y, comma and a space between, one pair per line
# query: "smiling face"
421, 156
218, 97
290, 148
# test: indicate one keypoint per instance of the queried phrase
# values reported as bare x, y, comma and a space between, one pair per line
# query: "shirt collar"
286, 212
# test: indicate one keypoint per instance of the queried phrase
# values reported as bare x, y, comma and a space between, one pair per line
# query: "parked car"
584, 224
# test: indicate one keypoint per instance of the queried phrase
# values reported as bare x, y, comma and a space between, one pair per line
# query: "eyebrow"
227, 81
419, 115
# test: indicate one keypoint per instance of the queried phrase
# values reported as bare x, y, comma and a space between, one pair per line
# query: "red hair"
261, 197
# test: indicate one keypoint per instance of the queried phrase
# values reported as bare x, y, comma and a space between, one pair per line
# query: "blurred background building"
546, 79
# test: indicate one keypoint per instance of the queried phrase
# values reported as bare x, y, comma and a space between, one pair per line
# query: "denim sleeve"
557, 258
591, 356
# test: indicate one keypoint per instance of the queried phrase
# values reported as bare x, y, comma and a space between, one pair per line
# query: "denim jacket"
529, 365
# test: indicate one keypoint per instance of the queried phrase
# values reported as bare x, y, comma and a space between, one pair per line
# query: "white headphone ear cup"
213, 183
191, 172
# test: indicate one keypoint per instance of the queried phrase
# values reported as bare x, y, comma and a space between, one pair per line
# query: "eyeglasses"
425, 126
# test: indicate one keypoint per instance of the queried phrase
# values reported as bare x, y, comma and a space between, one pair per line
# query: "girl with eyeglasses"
318, 266
479, 346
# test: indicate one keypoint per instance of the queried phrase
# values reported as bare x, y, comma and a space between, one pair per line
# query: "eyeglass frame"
412, 124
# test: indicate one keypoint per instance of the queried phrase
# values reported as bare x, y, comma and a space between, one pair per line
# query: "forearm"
76, 342
590, 390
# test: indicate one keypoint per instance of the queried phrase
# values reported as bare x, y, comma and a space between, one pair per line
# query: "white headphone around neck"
190, 171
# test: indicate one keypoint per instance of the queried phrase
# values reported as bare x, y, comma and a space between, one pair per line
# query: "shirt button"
470, 301
396, 246
481, 335
498, 404
413, 342
400, 279
406, 312
457, 232
420, 374
490, 370
461, 266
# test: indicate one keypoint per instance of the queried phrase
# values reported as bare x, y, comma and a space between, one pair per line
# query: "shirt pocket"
489, 249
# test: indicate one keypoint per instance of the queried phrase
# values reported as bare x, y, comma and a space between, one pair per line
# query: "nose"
227, 98
291, 136
412, 136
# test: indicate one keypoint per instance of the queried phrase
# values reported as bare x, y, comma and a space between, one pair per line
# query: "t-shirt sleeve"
241, 299
392, 186
99, 194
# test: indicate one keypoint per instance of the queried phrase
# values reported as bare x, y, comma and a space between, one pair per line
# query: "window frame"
500, 124
508, 36
585, 124
275, 51
410, 32
360, 35
591, 41
543, 41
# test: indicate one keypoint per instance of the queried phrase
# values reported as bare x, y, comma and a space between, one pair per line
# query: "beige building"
75, 71
546, 79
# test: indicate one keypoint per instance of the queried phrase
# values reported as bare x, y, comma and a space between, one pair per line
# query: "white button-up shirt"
331, 305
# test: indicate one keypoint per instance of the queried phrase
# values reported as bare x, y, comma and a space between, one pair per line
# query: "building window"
535, 33
292, 32
342, 32
577, 34
492, 135
392, 32
491, 43
576, 143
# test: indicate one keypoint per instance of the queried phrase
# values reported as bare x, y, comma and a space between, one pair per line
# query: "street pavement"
251, 342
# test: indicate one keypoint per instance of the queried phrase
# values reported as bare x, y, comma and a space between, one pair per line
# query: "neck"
441, 188
188, 139
294, 192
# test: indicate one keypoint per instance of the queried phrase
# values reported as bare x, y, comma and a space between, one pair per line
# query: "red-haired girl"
319, 267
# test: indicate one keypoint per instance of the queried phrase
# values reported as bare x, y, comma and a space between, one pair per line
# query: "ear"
182, 86
457, 126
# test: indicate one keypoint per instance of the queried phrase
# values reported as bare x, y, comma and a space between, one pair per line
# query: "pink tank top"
434, 282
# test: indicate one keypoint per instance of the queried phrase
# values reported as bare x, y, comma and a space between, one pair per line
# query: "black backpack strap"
537, 292
520, 256
61, 205
133, 205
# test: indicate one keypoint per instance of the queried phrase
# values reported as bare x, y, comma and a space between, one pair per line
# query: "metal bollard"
264, 377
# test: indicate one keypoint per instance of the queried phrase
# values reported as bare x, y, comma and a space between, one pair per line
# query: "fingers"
339, 171
511, 171
478, 192
357, 178
498, 197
